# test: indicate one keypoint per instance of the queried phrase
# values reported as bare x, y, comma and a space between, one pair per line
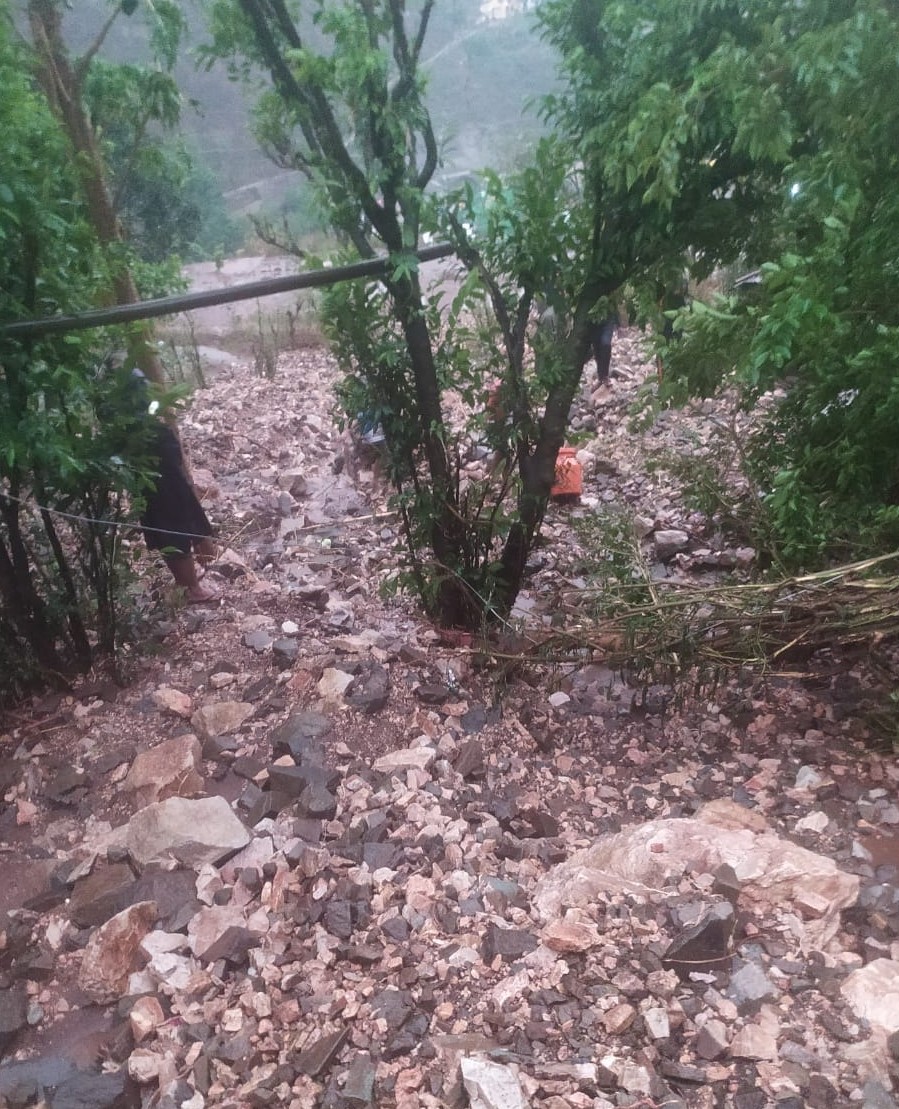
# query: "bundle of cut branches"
674, 627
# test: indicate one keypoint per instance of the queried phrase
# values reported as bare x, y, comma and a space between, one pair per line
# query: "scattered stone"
873, 993
368, 691
258, 640
359, 1084
174, 701
509, 944
772, 871
13, 1015
491, 1085
432, 694
419, 758
469, 761
749, 987
813, 822
170, 769
570, 936
220, 718
285, 652
706, 945
619, 1018
101, 894
192, 831
111, 951
753, 1042
86, 1090
657, 1023
144, 1017
298, 736
319, 1056
334, 684
670, 542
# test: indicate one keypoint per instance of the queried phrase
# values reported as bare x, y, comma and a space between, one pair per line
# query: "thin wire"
120, 524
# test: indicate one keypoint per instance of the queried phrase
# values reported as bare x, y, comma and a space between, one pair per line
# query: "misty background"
484, 63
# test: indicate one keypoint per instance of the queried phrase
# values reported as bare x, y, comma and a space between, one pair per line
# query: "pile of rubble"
313, 856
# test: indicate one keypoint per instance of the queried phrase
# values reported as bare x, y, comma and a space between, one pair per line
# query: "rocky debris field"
311, 854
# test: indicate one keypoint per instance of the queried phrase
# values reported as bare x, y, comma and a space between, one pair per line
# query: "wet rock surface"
316, 856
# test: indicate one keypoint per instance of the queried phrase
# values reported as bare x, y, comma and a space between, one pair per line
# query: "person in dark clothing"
173, 518
601, 335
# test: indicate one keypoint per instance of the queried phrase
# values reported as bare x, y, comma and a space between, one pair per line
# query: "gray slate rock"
293, 780
368, 691
318, 1058
359, 1086
101, 894
705, 946
298, 735
97, 1091
509, 943
13, 1015
749, 987
469, 761
285, 652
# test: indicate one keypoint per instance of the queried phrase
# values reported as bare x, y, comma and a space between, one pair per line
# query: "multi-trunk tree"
346, 105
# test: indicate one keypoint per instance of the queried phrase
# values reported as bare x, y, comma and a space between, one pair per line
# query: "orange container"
569, 474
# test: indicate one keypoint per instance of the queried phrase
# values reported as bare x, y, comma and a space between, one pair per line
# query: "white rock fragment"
145, 1016
143, 1066
405, 759
491, 1085
657, 1023
873, 993
771, 870
814, 822
220, 718
174, 701
192, 831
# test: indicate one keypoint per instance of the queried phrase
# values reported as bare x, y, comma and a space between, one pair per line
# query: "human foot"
202, 594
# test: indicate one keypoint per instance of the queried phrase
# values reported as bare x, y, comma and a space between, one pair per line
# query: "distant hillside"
482, 71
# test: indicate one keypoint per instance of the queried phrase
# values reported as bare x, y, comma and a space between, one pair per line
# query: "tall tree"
347, 107
63, 81
59, 565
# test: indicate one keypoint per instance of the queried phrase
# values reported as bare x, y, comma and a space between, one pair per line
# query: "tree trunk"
455, 605
537, 470
19, 595
63, 86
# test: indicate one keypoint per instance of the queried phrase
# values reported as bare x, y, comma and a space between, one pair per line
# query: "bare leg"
184, 571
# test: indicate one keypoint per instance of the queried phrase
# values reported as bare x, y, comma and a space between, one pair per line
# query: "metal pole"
184, 302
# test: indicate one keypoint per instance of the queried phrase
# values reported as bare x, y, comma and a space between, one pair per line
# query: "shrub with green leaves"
765, 131
60, 575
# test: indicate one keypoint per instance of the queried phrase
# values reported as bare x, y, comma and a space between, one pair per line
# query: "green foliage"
611, 565
769, 132
60, 578
169, 203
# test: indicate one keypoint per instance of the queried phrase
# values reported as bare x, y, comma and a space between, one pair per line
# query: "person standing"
601, 335
173, 519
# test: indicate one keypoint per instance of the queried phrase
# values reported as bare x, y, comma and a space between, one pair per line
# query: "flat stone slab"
192, 831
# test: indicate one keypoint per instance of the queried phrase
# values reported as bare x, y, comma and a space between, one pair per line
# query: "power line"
185, 302
121, 525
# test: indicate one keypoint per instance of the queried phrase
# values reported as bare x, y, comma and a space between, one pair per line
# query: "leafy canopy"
767, 132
